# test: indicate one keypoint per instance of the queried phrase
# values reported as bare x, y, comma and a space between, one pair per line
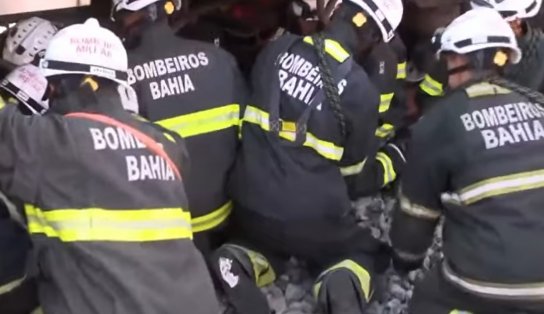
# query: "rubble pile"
291, 294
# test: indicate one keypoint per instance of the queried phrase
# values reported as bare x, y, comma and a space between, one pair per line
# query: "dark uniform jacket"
386, 68
476, 159
289, 170
194, 89
107, 216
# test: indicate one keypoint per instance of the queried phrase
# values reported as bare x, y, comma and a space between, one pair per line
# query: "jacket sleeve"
21, 138
424, 179
369, 168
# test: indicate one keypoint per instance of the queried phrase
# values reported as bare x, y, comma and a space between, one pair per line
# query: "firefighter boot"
343, 289
241, 272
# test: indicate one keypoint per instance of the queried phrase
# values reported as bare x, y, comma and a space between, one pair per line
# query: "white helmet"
386, 13
136, 5
511, 9
89, 49
26, 39
28, 85
479, 29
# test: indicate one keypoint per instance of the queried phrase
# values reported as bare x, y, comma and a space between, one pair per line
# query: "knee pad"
253, 264
343, 288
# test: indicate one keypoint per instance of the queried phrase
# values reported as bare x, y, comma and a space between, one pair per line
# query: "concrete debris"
291, 294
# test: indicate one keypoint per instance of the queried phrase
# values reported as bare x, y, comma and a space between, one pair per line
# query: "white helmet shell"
479, 29
136, 5
26, 39
89, 49
386, 13
28, 85
511, 9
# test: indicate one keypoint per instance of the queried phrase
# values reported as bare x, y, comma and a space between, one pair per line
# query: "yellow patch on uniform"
169, 7
359, 19
500, 58
288, 126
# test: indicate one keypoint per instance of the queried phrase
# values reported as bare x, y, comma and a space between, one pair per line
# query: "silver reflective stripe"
496, 290
11, 285
12, 209
416, 210
353, 170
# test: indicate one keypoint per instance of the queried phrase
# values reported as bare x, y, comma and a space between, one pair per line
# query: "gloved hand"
396, 154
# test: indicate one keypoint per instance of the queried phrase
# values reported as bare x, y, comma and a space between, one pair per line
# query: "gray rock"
294, 293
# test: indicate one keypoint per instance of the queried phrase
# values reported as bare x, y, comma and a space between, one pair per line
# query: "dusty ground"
291, 293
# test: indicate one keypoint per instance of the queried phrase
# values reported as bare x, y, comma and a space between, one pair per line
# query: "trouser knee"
252, 265
343, 288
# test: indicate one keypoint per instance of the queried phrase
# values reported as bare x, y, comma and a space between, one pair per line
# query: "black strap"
275, 121
23, 97
86, 68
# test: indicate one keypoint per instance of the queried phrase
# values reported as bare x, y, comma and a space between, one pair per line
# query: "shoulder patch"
485, 89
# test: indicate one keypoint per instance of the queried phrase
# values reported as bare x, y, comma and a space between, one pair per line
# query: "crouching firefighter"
194, 89
529, 72
309, 126
476, 159
103, 191
26, 88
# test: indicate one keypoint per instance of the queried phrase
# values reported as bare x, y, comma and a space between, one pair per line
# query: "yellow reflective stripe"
332, 47
431, 86
326, 149
212, 219
353, 169
416, 210
363, 276
385, 102
389, 173
12, 284
2, 102
502, 185
384, 130
96, 224
401, 71
203, 122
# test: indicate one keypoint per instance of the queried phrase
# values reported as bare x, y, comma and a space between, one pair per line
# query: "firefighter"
195, 89
308, 145
27, 87
385, 64
476, 160
529, 72
27, 40
102, 190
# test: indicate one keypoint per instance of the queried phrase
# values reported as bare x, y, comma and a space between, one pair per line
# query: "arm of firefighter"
20, 146
378, 172
424, 179
433, 85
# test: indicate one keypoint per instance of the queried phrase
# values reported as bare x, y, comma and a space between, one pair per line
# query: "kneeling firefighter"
529, 72
476, 159
103, 191
194, 89
308, 144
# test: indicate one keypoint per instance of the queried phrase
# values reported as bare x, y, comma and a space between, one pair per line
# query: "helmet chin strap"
461, 68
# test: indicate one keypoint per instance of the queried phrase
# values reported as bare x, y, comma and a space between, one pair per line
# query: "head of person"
26, 41
309, 16
476, 45
513, 11
84, 55
132, 16
374, 21
28, 88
